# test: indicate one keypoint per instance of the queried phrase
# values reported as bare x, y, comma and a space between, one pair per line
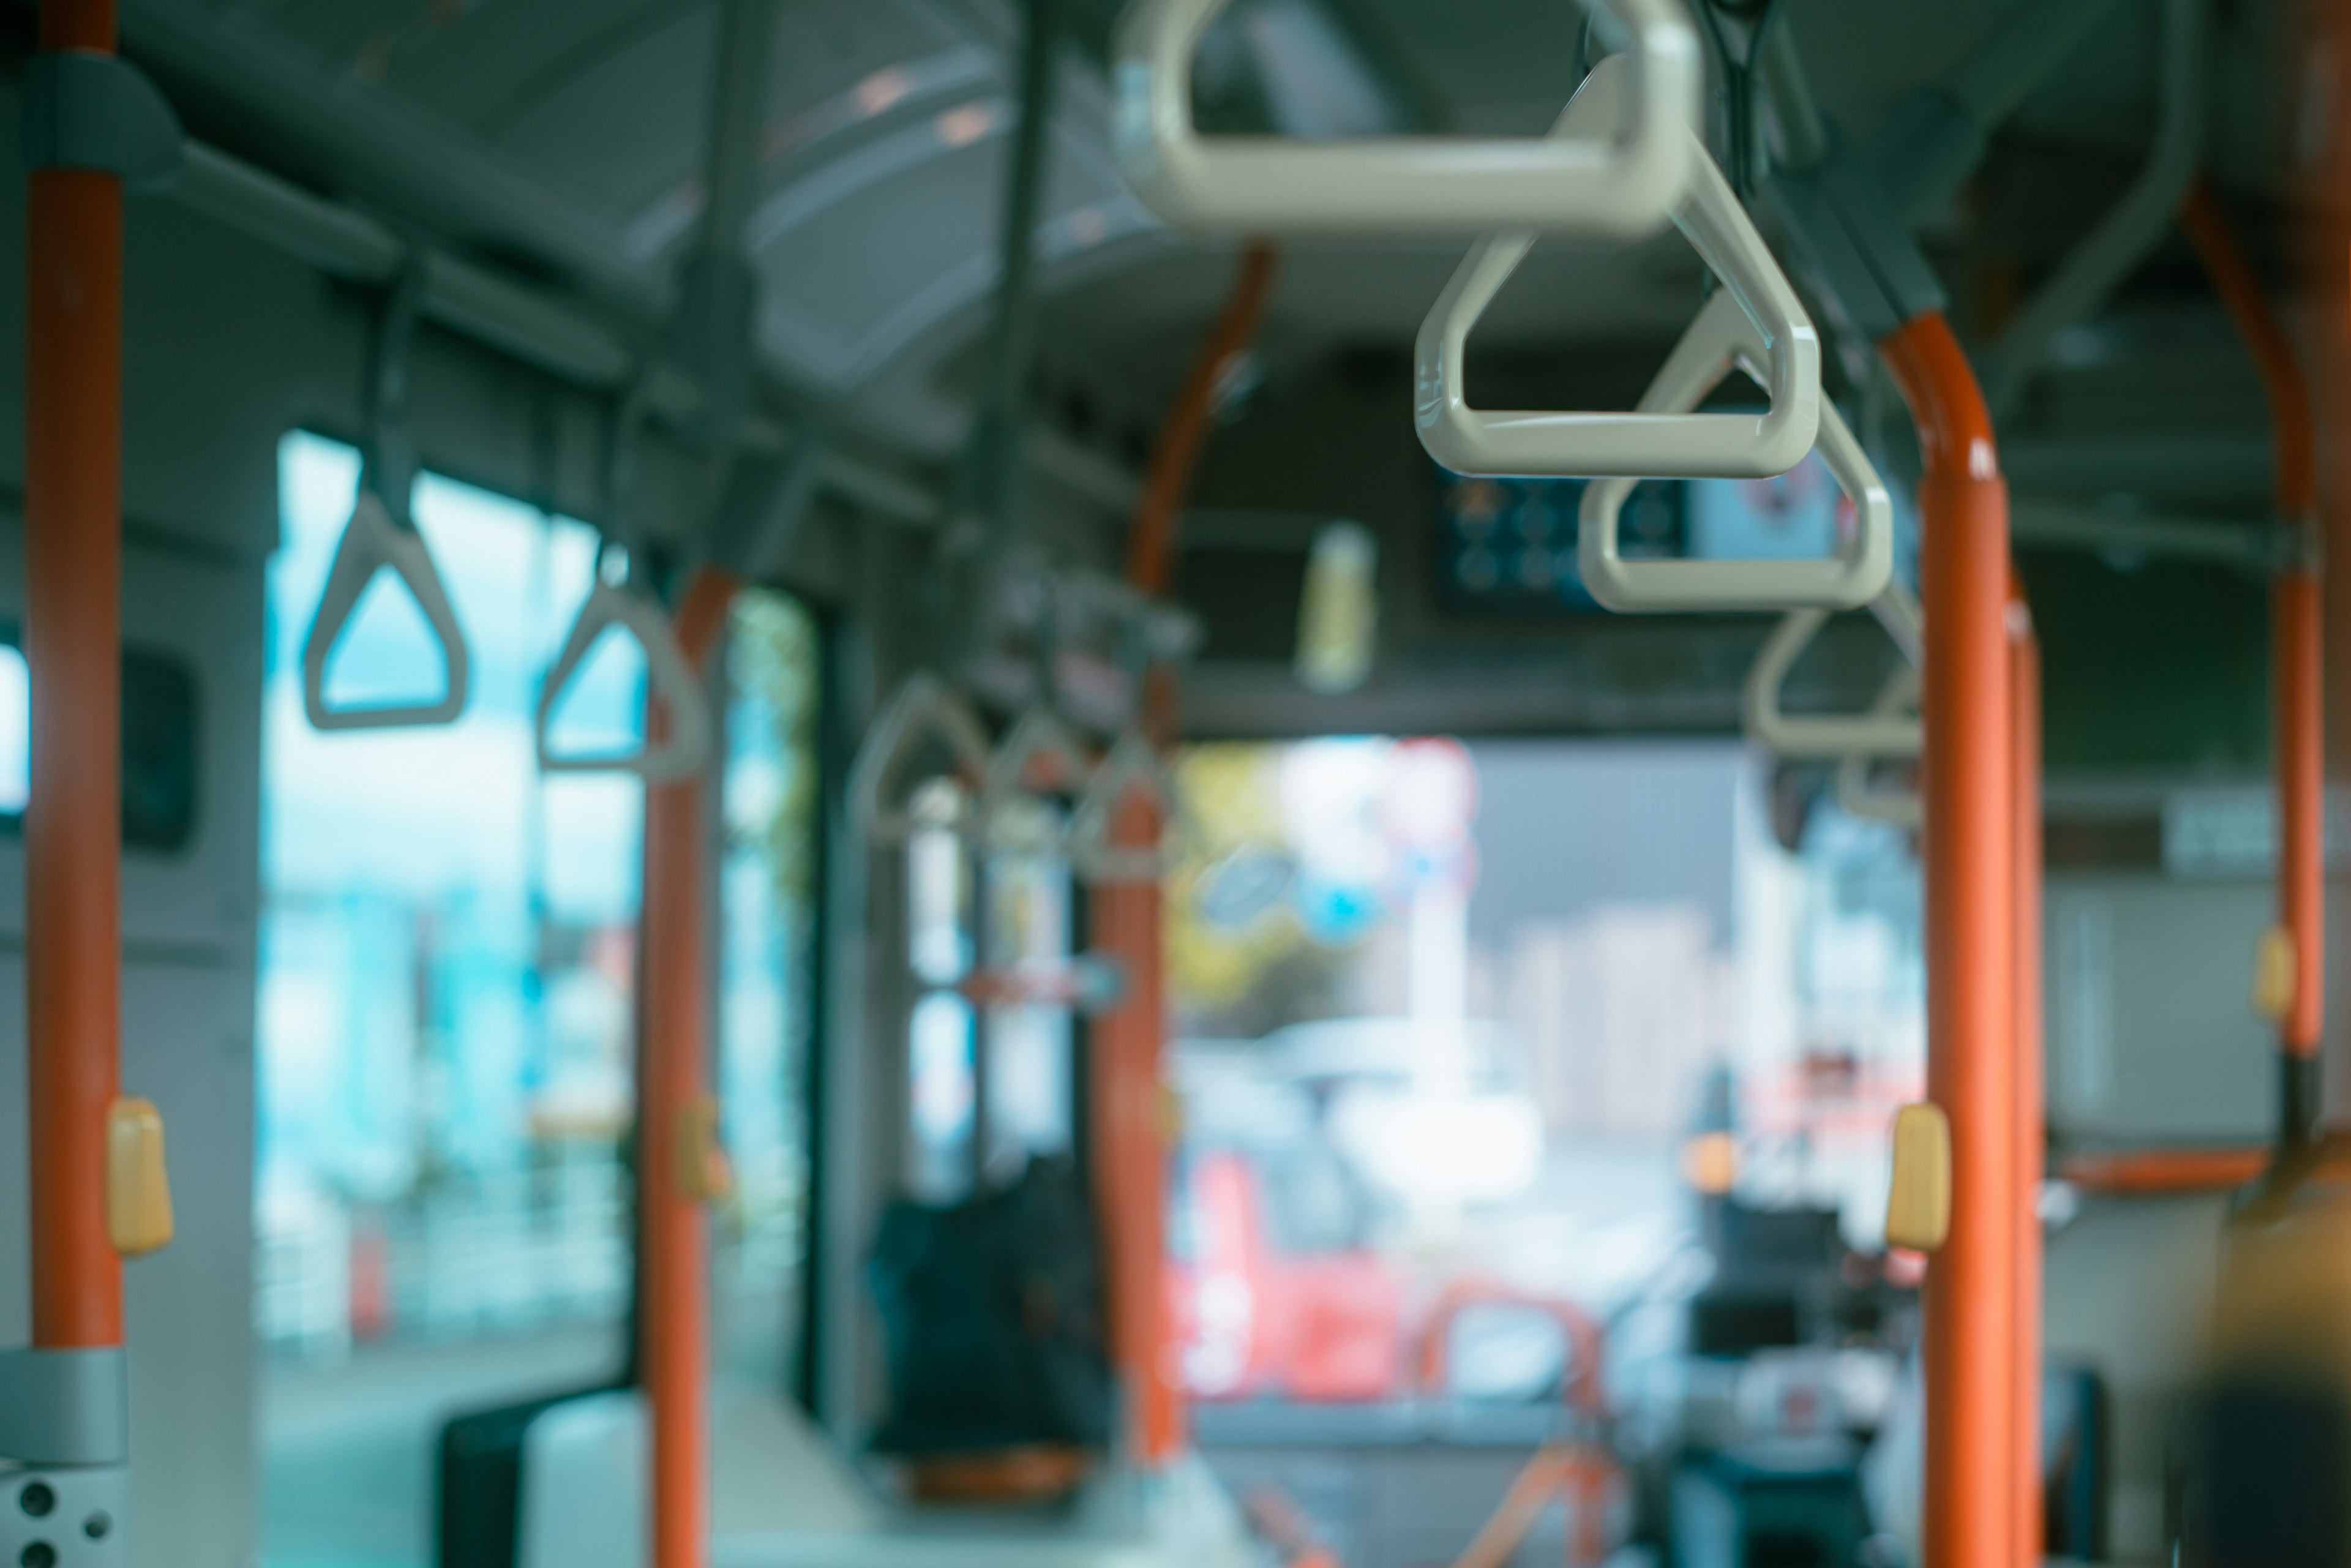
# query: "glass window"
447, 960
767, 958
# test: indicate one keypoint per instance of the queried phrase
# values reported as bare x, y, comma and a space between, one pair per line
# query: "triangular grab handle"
1660, 438
1038, 735
371, 541
670, 676
923, 708
1879, 733
1722, 339
1855, 790
1132, 768
1617, 177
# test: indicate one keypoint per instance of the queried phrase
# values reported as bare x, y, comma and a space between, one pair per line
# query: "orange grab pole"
2297, 652
1971, 1290
2024, 801
1129, 1109
73, 606
675, 1131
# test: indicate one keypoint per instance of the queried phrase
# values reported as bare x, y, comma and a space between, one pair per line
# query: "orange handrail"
674, 1130
1128, 1112
1586, 1387
2024, 802
2297, 652
73, 597
1970, 1290
2147, 1173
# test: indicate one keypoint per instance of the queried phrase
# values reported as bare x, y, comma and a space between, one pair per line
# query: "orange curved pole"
1175, 453
2024, 804
675, 1132
1970, 1297
73, 599
1586, 1387
1129, 1112
2297, 653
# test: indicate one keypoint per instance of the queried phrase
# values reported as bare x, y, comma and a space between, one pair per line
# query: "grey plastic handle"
1616, 178
371, 541
1722, 338
1660, 438
1038, 735
922, 710
1134, 767
1855, 792
669, 675
1827, 737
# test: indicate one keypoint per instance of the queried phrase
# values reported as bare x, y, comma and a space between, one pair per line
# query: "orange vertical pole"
674, 1130
2024, 804
1129, 1104
1131, 1149
73, 601
2297, 656
1970, 854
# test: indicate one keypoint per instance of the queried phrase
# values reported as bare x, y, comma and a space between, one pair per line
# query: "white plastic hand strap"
1827, 737
1618, 176
1823, 738
1855, 792
1038, 740
1133, 768
1855, 576
371, 540
923, 710
1660, 439
669, 675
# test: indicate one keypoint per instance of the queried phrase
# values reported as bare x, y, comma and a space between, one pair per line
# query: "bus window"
447, 978
766, 958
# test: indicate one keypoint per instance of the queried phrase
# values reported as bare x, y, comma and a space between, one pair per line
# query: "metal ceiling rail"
523, 323
2144, 216
2050, 522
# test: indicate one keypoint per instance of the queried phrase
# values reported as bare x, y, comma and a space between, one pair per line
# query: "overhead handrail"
923, 709
1720, 339
1132, 768
382, 533
1617, 176
1649, 440
1814, 737
682, 746
2129, 230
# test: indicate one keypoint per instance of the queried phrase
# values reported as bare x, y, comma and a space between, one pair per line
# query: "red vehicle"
1272, 1291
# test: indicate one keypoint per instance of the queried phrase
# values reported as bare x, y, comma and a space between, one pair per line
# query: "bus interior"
807, 783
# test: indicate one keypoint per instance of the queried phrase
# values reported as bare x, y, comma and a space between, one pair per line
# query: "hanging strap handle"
1040, 735
1857, 791
1657, 439
1829, 737
1134, 767
371, 541
1720, 339
383, 532
923, 709
670, 676
1618, 176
